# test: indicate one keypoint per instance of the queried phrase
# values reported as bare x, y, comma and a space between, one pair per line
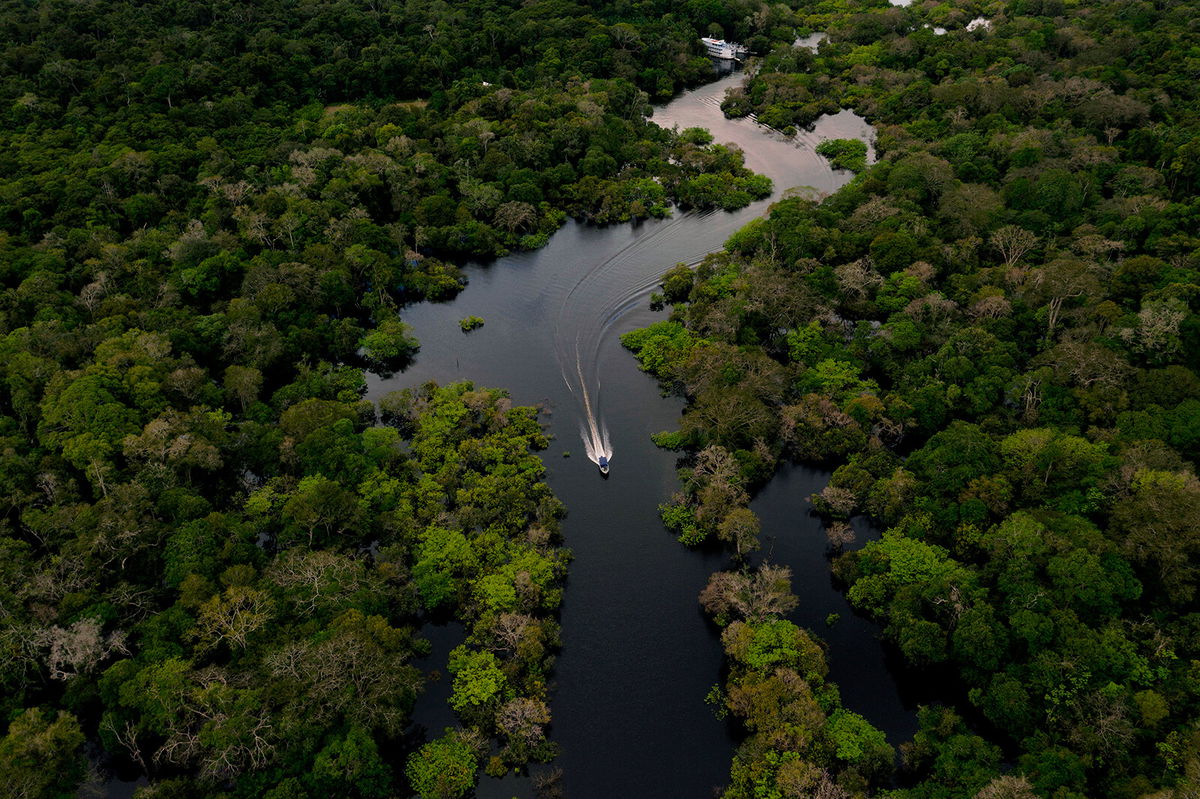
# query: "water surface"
638, 656
811, 41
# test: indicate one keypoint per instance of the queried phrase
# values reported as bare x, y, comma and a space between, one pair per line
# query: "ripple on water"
638, 656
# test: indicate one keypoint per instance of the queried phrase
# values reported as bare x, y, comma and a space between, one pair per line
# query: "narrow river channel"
638, 657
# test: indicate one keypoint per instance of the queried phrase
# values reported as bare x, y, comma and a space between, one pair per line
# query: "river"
638, 657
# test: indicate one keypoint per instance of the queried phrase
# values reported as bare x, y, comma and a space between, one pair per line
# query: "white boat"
726, 51
603, 465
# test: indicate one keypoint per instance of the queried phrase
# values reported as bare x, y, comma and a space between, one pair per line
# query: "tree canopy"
991, 333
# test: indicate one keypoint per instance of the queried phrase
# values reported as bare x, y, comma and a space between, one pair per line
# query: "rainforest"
890, 333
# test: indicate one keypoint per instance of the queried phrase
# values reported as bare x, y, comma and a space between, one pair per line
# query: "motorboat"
603, 465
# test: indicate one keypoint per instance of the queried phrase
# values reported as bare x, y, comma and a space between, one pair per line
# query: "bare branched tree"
1013, 243
79, 648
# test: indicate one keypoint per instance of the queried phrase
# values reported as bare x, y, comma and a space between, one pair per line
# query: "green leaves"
848, 154
478, 680
853, 736
895, 561
839, 379
661, 347
775, 643
389, 345
1047, 464
351, 766
681, 519
321, 508
444, 768
41, 757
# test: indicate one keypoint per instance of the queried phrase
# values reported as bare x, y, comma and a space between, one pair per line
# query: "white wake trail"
615, 272
592, 430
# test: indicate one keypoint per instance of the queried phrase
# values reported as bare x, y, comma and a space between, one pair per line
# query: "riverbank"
638, 656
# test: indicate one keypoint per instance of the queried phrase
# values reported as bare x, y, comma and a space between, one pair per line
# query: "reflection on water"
811, 41
638, 657
859, 662
767, 151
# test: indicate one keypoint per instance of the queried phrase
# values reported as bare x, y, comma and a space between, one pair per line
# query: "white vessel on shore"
726, 51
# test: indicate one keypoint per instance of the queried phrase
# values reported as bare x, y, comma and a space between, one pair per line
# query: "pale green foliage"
478, 680
443, 768
389, 343
40, 757
853, 735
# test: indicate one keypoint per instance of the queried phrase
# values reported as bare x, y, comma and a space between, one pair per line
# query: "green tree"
351, 766
479, 683
41, 757
444, 768
389, 345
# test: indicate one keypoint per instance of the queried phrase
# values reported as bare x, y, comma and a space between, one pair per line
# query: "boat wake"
592, 429
594, 303
595, 441
590, 315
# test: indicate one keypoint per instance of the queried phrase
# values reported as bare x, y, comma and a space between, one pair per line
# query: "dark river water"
638, 657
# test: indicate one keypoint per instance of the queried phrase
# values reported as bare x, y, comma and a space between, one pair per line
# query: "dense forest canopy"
216, 553
294, 117
993, 333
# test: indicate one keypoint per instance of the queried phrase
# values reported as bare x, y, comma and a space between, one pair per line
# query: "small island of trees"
218, 554
992, 336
